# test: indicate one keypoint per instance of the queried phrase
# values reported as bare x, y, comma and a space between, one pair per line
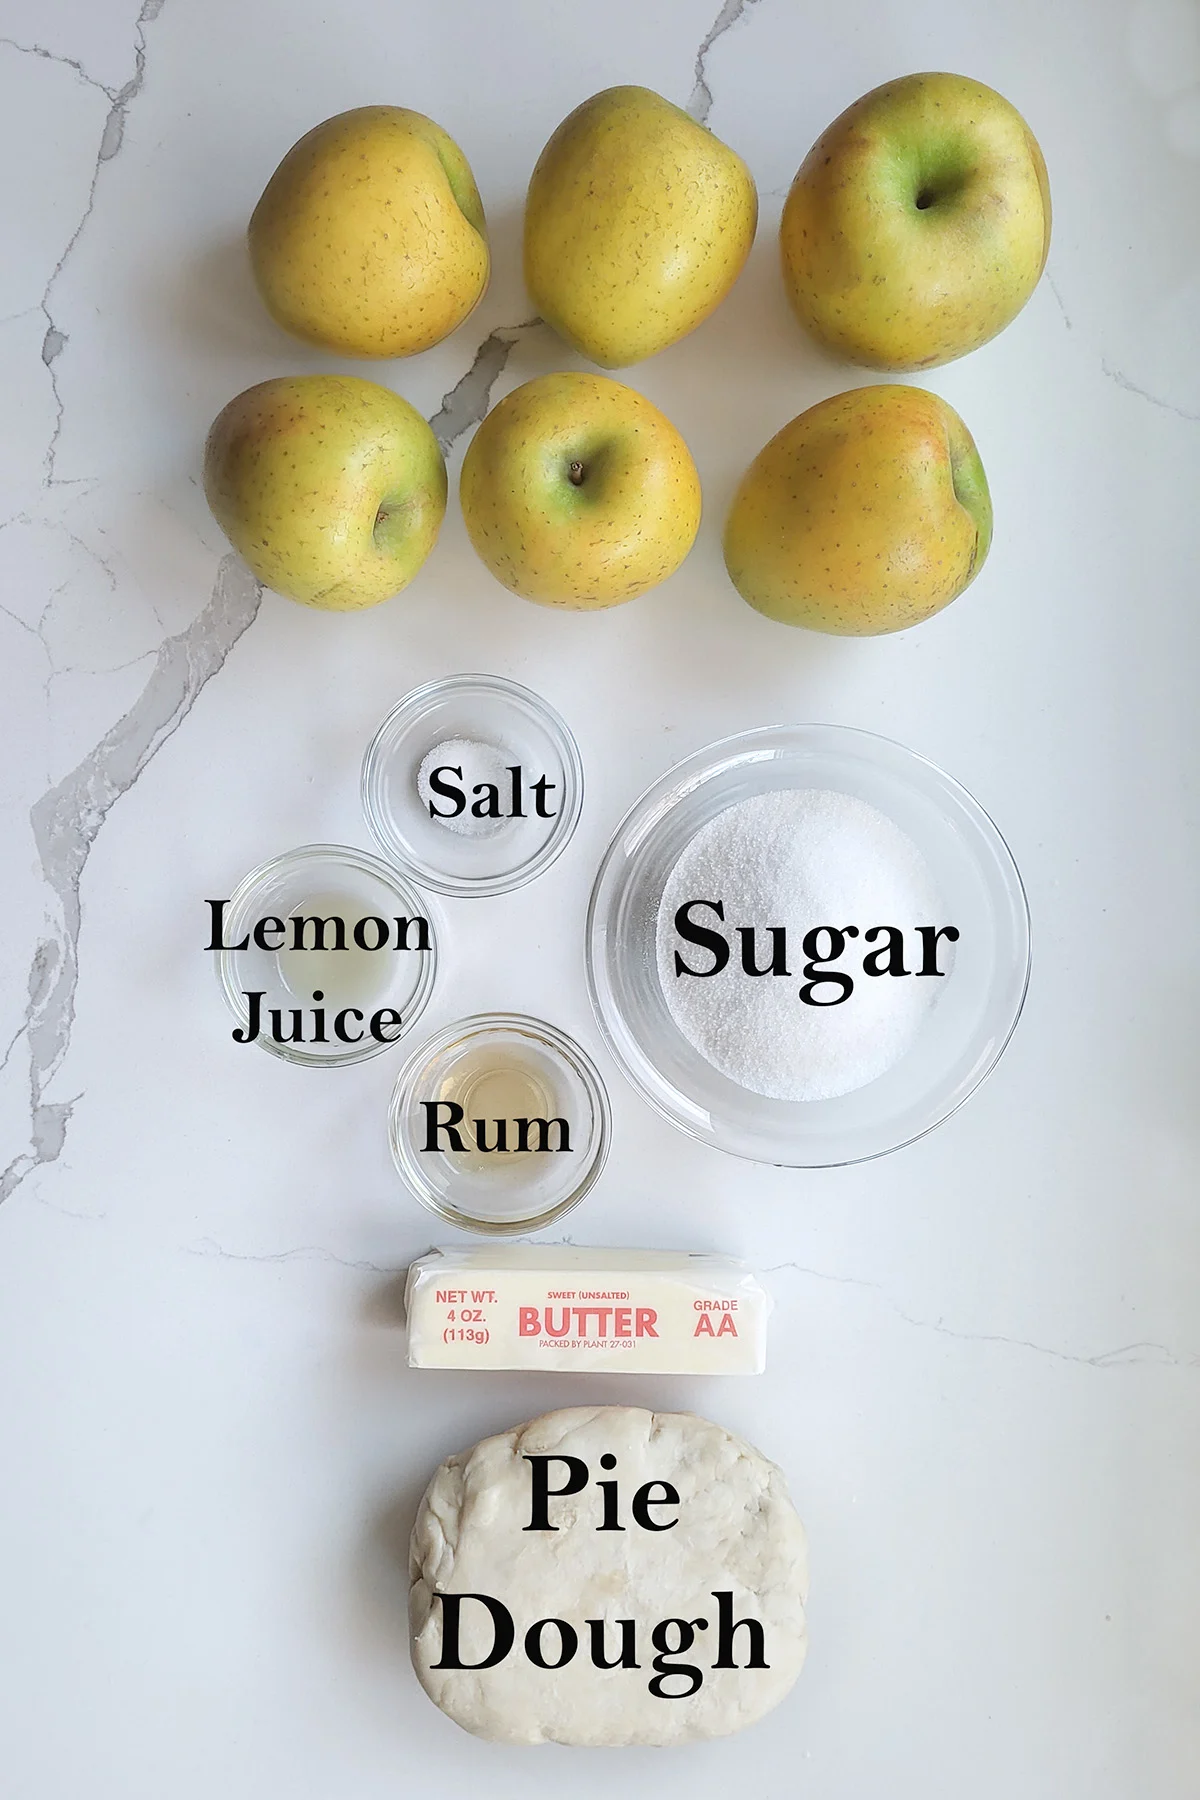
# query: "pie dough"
731, 1549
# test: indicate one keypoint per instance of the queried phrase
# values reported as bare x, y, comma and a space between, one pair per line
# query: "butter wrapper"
566, 1308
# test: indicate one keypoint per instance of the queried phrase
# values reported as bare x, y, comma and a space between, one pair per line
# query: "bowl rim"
477, 1025
659, 798
366, 863
416, 702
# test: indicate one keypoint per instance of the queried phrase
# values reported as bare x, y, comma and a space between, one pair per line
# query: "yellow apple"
918, 225
577, 492
637, 224
867, 513
370, 237
331, 488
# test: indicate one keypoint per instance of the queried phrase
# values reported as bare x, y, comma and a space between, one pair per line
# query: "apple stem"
575, 474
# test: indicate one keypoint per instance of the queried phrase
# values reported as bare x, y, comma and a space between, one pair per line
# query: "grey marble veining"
984, 1355
67, 818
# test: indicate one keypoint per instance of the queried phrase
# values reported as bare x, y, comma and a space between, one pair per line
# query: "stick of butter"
559, 1307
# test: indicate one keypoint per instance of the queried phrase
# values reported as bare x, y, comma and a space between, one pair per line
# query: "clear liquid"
497, 1084
346, 977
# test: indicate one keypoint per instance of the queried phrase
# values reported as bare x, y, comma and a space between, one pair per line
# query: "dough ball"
735, 1557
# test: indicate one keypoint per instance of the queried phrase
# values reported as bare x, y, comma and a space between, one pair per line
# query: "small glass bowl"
327, 881
488, 710
500, 1058
963, 1034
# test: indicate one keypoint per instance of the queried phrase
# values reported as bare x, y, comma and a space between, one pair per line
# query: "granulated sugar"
799, 858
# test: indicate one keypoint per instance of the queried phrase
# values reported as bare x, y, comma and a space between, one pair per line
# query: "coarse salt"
479, 763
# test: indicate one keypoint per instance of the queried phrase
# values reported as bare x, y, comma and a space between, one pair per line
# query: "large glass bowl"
960, 1038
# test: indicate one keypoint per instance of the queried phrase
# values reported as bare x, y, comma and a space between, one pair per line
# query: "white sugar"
798, 858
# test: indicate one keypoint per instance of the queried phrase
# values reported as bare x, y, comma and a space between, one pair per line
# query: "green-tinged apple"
637, 224
868, 513
918, 225
331, 488
370, 238
577, 492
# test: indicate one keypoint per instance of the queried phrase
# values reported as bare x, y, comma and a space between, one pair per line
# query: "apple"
918, 225
577, 492
637, 223
331, 488
369, 238
868, 513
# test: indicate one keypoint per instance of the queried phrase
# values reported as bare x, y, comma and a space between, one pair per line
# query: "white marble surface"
986, 1362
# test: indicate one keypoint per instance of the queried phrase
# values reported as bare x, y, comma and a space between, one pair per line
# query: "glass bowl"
321, 884
513, 1069
506, 719
961, 1035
